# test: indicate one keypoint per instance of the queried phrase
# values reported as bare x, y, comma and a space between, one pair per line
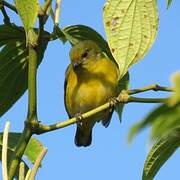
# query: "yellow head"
83, 53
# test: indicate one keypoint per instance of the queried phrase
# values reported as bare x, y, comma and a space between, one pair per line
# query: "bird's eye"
84, 55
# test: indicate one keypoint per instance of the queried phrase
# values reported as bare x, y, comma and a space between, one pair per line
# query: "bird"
91, 80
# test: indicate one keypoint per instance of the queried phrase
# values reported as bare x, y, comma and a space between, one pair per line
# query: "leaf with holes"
131, 28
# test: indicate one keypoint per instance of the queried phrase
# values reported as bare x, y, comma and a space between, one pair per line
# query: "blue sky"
109, 156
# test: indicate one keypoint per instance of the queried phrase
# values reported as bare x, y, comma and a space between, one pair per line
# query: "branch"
32, 107
154, 87
122, 98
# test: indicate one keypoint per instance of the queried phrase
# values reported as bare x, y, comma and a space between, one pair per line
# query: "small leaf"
33, 149
131, 28
28, 11
160, 153
77, 33
169, 3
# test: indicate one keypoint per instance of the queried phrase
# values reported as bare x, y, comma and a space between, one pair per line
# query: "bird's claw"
112, 103
79, 118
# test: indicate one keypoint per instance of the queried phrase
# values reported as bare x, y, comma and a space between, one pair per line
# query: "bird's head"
84, 53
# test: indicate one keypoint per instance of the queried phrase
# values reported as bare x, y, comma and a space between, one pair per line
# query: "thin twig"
37, 164
6, 17
154, 87
46, 6
8, 5
57, 12
122, 98
4, 151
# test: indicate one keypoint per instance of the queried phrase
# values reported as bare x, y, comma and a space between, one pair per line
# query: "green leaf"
162, 120
160, 153
13, 65
122, 85
33, 149
131, 28
77, 33
169, 3
28, 11
10, 33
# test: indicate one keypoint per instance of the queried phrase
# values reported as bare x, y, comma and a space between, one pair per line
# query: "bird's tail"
82, 137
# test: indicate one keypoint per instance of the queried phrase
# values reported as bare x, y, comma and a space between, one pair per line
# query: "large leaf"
10, 33
160, 153
28, 11
161, 120
131, 28
13, 65
77, 33
165, 117
33, 149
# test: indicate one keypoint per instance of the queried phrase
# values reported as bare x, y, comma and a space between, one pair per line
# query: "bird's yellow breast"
91, 87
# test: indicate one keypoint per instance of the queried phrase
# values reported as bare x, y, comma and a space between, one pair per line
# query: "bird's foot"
79, 118
112, 102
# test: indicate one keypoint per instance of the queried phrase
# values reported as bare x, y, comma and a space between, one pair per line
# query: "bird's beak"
75, 65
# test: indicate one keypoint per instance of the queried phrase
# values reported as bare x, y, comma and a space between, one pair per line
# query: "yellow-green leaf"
175, 98
28, 11
131, 28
